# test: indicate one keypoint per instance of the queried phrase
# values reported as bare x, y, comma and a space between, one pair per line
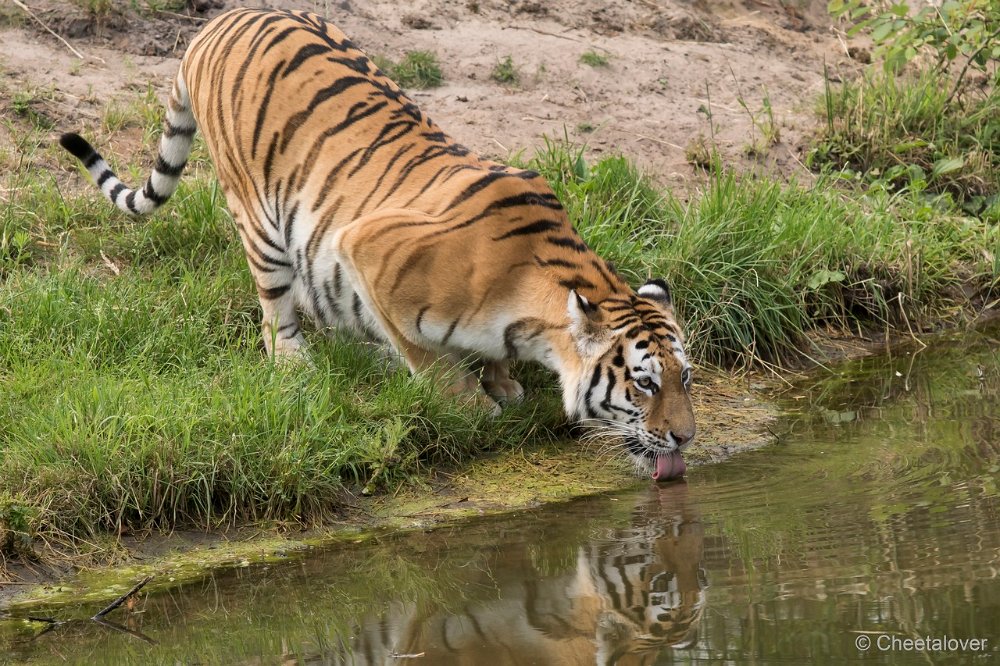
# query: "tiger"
358, 212
630, 596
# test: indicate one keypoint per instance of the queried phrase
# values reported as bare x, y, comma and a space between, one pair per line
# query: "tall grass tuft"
904, 131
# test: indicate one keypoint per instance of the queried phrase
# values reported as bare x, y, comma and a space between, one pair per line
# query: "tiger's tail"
175, 146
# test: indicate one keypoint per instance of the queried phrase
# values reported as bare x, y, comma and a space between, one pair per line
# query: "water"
874, 519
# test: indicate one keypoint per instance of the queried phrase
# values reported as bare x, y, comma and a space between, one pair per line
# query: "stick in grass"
122, 599
50, 30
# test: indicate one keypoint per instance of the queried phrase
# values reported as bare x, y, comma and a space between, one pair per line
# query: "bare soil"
680, 74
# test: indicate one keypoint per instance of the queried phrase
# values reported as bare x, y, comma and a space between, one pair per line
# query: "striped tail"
175, 146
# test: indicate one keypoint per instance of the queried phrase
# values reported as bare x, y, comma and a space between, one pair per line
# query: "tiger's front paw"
496, 381
505, 391
467, 390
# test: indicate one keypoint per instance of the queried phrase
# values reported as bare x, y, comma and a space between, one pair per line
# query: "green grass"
417, 69
30, 106
96, 8
505, 72
102, 9
903, 132
594, 59
144, 111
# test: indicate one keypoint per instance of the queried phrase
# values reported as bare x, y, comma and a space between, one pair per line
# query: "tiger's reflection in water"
633, 594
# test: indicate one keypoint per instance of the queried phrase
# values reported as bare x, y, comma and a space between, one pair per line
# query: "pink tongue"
669, 466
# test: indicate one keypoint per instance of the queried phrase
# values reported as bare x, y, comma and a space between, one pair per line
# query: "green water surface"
872, 527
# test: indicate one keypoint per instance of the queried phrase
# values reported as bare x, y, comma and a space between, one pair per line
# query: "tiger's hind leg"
498, 383
273, 276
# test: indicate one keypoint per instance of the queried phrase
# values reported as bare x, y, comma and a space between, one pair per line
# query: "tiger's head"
652, 575
635, 380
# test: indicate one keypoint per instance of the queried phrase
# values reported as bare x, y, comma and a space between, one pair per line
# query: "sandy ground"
677, 69
679, 72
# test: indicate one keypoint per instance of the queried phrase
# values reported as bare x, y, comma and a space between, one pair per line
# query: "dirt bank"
671, 66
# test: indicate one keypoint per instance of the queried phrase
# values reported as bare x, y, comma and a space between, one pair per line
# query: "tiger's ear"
657, 290
586, 323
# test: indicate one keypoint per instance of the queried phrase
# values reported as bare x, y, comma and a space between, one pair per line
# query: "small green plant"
21, 104
116, 116
594, 59
14, 247
27, 104
951, 32
96, 8
540, 72
698, 153
505, 72
417, 69
17, 527
764, 131
585, 127
161, 5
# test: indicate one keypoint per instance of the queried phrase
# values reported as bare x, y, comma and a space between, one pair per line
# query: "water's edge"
734, 415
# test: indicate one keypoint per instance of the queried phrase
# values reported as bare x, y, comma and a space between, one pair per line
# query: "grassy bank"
136, 393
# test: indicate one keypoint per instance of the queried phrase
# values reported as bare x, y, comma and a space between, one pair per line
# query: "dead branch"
122, 599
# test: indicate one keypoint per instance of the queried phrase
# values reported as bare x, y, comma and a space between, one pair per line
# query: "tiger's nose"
682, 438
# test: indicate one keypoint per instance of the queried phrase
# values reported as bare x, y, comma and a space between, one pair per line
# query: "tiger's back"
308, 119
354, 207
